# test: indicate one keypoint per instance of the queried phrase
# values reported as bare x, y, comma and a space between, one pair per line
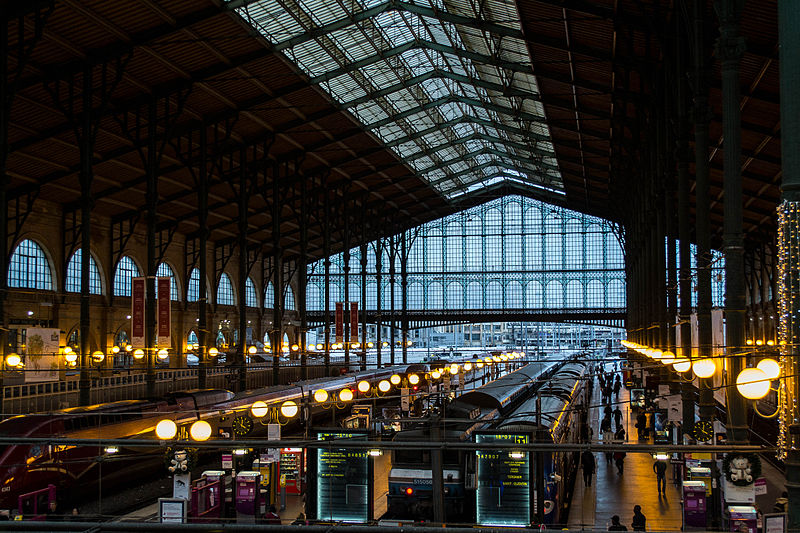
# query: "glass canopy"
447, 85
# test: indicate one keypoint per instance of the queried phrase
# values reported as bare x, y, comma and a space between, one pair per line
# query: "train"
557, 420
410, 494
26, 468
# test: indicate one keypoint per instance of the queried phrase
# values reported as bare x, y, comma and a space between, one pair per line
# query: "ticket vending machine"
247, 495
701, 473
694, 504
743, 519
291, 470
207, 494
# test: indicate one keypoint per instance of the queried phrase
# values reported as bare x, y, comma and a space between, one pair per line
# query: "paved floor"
610, 493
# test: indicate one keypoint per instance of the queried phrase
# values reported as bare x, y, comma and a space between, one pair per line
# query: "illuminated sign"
342, 480
503, 495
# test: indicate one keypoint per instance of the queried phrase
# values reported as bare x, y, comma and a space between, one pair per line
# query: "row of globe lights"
752, 383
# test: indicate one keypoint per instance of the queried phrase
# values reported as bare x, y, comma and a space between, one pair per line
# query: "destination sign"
343, 477
503, 495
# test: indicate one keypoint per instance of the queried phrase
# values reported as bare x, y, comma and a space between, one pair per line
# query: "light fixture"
770, 367
454, 368
682, 365
252, 350
166, 429
111, 450
321, 396
320, 346
127, 317
770, 342
345, 395
370, 345
67, 349
70, 357
752, 383
30, 313
668, 358
311, 347
704, 368
138, 353
162, 354
516, 455
384, 344
129, 347
259, 409
98, 356
384, 386
200, 430
295, 347
749, 342
363, 386
213, 352
436, 374
240, 451
115, 349
479, 364
355, 345
13, 359
467, 366
394, 379
759, 342
289, 409
375, 453
413, 379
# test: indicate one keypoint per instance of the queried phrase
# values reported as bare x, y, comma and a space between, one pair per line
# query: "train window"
412, 457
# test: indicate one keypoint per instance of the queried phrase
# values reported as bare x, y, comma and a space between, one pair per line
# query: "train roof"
500, 392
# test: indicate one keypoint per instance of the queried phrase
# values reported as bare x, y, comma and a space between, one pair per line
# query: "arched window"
126, 271
29, 267
594, 294
435, 296
225, 291
574, 294
554, 295
269, 296
250, 299
474, 296
164, 271
514, 295
372, 296
193, 290
455, 295
73, 282
416, 296
494, 295
314, 298
533, 295
288, 299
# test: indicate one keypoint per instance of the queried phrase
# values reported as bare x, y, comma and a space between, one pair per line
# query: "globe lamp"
166, 429
752, 383
704, 368
289, 409
259, 409
200, 431
770, 367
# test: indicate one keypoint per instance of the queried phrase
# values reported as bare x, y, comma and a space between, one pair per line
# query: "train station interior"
386, 264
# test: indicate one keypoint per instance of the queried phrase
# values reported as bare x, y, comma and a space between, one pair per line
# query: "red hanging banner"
164, 312
353, 321
339, 322
137, 312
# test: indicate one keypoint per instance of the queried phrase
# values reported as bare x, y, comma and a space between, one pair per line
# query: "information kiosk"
743, 518
503, 495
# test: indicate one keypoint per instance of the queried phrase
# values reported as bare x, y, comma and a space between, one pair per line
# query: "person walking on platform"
641, 424
615, 525
660, 468
639, 519
617, 386
619, 459
619, 436
618, 417
588, 463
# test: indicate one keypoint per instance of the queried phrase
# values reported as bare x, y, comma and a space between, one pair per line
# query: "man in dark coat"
588, 463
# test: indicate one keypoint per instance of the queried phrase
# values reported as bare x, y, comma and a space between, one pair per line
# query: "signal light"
409, 491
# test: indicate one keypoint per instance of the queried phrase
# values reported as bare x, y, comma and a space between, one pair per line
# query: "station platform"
613, 494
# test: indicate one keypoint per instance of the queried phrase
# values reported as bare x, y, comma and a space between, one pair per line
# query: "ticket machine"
701, 473
694, 504
743, 519
247, 495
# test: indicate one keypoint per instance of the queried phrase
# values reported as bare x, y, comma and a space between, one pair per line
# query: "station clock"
703, 430
242, 425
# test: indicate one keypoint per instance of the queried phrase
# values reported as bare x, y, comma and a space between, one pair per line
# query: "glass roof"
446, 84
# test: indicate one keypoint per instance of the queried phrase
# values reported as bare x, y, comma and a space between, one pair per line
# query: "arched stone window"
250, 299
29, 267
125, 272
73, 282
164, 271
225, 295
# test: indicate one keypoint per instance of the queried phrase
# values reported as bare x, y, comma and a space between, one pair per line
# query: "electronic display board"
503, 495
343, 478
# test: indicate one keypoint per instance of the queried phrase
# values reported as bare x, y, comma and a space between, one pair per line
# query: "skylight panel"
408, 148
370, 112
344, 88
380, 74
416, 60
390, 132
393, 27
353, 43
435, 88
313, 59
273, 21
323, 11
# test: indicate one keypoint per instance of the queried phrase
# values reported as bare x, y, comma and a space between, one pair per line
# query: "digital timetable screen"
343, 478
503, 495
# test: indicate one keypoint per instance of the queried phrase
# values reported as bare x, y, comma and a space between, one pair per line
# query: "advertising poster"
353, 321
339, 322
164, 312
41, 354
137, 312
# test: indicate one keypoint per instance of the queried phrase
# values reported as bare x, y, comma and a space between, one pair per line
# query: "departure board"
503, 495
343, 477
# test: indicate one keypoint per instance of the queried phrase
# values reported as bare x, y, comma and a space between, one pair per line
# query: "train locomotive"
410, 495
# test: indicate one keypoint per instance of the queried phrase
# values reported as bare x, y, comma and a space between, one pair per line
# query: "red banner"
339, 322
137, 312
164, 312
353, 321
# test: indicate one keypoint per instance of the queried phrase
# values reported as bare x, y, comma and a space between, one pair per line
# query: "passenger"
780, 503
618, 417
641, 424
615, 525
617, 386
588, 463
660, 468
75, 516
619, 436
639, 520
300, 520
619, 459
272, 516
